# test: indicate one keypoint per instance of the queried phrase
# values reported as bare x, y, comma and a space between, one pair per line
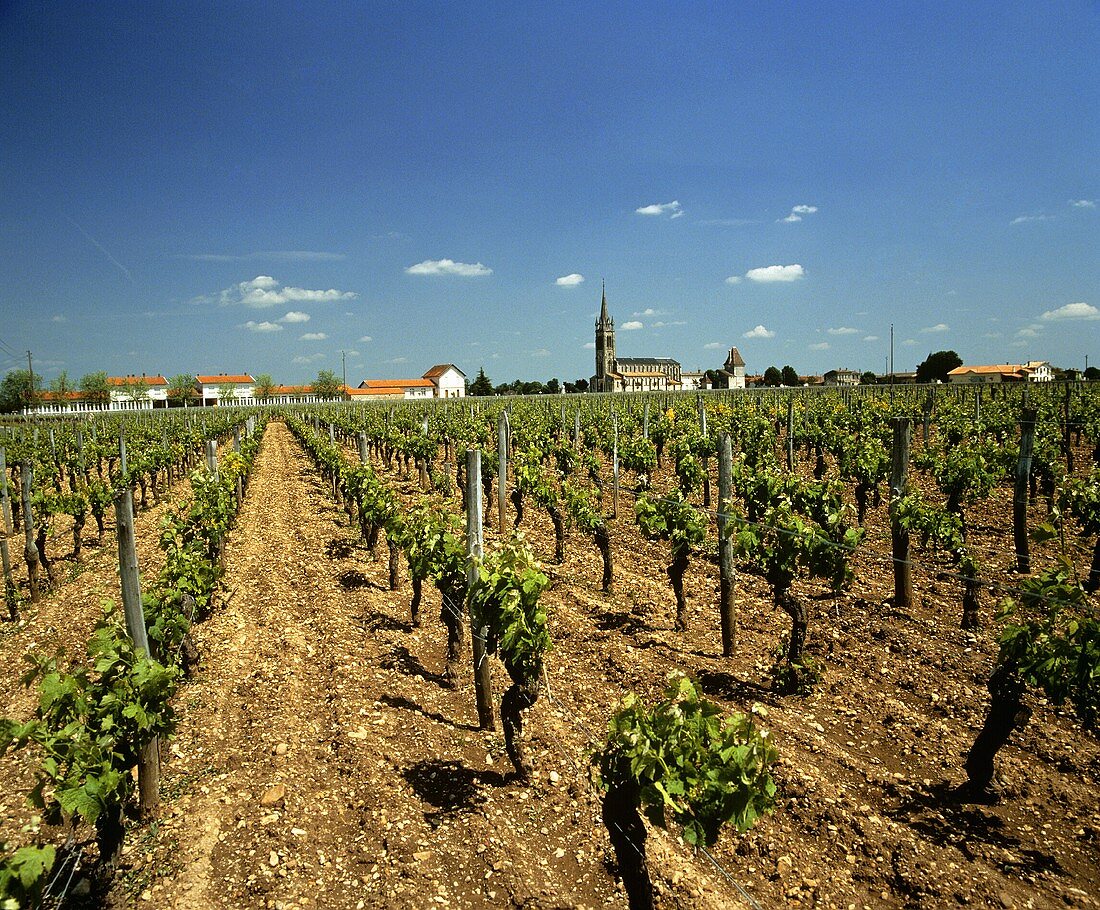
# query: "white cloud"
352, 354
843, 330
590, 345
910, 342
630, 326
366, 339
448, 267
1083, 203
264, 291
58, 319
1024, 219
759, 332
569, 281
661, 325
312, 358
314, 336
714, 346
398, 360
648, 311
541, 352
774, 273
870, 337
797, 212
1027, 332
733, 279
935, 329
1073, 311
295, 316
672, 209
263, 326
820, 346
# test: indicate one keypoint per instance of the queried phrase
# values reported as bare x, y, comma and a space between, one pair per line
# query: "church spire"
605, 319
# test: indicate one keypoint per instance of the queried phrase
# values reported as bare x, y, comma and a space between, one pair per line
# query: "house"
841, 377
400, 388
694, 380
138, 393
1032, 371
226, 389
732, 374
449, 380
629, 374
444, 380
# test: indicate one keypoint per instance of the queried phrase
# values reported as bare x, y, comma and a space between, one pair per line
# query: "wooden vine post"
705, 459
5, 532
502, 470
615, 471
1019, 497
725, 547
362, 447
30, 550
149, 758
899, 468
790, 433
483, 680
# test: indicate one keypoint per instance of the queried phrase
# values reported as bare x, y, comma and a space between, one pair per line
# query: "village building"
629, 374
732, 374
444, 380
226, 389
1032, 371
841, 377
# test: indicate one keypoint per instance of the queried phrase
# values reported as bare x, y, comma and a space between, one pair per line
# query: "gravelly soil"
322, 762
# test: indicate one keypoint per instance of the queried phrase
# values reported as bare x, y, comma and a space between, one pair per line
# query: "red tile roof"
397, 384
226, 379
440, 368
148, 380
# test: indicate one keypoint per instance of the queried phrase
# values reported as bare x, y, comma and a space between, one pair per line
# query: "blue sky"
258, 187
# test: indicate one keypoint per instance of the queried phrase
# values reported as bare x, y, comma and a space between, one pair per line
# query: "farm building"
444, 380
226, 389
1032, 371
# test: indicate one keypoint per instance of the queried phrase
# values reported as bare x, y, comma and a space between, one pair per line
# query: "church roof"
645, 361
735, 359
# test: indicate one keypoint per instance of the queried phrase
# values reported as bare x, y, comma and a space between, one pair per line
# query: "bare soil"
322, 761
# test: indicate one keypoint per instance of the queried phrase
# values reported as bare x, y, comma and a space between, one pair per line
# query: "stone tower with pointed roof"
605, 348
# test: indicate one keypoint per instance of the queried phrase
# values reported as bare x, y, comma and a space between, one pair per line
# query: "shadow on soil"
383, 622
341, 548
353, 580
404, 661
728, 686
450, 787
406, 704
953, 816
618, 621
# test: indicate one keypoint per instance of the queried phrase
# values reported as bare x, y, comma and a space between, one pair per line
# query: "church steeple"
605, 321
605, 346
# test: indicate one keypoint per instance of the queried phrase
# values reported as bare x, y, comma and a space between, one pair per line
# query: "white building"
226, 389
449, 380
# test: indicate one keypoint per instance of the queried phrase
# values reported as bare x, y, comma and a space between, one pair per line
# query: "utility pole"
891, 353
344, 367
30, 388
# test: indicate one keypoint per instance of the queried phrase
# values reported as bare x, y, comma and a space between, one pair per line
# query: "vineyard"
730, 650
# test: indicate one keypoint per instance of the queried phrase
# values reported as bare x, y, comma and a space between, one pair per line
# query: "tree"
481, 386
582, 385
772, 376
553, 387
328, 385
937, 366
95, 389
227, 394
61, 386
15, 390
181, 389
790, 376
868, 378
265, 386
1092, 374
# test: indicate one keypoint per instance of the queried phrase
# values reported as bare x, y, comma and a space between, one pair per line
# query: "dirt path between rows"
321, 761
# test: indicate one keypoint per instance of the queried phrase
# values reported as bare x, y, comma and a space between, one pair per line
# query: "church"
629, 374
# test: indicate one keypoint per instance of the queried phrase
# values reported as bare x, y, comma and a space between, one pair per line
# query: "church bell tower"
605, 347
